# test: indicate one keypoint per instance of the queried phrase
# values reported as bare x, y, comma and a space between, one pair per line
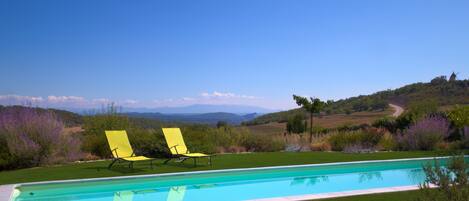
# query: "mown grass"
400, 196
99, 169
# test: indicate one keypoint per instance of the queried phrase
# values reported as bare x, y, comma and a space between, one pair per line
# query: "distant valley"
203, 118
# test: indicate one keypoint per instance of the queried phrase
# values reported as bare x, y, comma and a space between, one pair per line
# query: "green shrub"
366, 138
452, 182
200, 138
416, 111
459, 118
387, 123
261, 143
94, 139
296, 124
148, 142
387, 142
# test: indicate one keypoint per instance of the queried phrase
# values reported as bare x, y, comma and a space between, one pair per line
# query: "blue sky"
250, 52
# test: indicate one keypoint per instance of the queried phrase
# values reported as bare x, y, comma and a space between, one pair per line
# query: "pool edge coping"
15, 186
343, 193
8, 189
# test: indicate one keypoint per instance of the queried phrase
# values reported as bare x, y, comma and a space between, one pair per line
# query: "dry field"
329, 121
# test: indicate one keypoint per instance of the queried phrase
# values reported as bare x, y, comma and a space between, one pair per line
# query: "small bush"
296, 124
464, 142
148, 142
29, 138
200, 138
348, 127
416, 111
425, 134
459, 116
94, 139
452, 182
261, 143
387, 123
387, 142
368, 138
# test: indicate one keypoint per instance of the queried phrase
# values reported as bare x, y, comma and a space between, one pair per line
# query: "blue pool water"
236, 185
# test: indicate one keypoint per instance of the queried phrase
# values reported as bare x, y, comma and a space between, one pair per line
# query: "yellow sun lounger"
178, 148
122, 150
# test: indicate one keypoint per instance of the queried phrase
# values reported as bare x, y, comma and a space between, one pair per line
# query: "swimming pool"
234, 185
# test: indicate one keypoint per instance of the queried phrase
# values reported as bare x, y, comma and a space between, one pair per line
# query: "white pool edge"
343, 193
6, 192
15, 186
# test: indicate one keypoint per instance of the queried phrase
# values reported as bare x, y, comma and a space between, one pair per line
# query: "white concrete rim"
343, 193
15, 186
221, 170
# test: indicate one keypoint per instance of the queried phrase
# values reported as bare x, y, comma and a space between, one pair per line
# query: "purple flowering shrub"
425, 134
33, 138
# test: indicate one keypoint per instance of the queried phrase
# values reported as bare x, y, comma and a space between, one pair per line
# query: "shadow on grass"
123, 169
182, 165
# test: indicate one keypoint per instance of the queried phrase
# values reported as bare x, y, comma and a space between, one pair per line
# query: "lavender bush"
425, 134
35, 138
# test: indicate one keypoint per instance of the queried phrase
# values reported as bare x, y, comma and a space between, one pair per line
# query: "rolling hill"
70, 119
441, 90
73, 119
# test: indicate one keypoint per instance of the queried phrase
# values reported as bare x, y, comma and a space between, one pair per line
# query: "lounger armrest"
115, 150
177, 152
174, 148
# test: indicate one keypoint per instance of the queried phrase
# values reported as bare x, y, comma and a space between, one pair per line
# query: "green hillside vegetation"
70, 119
440, 90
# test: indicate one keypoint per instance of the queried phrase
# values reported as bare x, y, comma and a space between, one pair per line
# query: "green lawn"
99, 169
400, 196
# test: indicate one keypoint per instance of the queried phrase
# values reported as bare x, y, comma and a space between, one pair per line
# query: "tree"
221, 124
415, 112
459, 117
313, 105
295, 124
438, 80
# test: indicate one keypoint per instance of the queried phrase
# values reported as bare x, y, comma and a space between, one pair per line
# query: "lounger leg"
210, 160
131, 165
112, 163
166, 161
195, 162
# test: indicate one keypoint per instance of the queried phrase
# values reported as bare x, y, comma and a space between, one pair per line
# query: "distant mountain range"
190, 109
204, 118
73, 119
201, 109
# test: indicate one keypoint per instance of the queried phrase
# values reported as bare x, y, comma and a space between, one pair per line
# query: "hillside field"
328, 121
